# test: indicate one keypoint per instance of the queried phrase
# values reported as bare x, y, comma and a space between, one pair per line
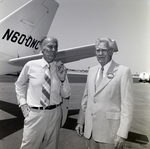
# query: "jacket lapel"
93, 77
111, 73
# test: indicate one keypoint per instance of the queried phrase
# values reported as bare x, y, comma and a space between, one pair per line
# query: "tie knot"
48, 66
102, 69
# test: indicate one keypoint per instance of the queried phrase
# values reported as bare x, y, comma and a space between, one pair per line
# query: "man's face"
103, 53
49, 51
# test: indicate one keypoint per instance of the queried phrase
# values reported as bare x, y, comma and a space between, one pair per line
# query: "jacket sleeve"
127, 103
81, 118
21, 86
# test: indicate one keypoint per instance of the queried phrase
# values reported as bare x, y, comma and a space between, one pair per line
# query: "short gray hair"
44, 40
110, 42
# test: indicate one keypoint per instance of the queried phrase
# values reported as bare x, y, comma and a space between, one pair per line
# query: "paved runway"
11, 120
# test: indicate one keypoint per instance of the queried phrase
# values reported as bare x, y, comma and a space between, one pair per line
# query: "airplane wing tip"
22, 60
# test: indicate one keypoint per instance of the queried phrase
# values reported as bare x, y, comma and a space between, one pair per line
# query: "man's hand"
79, 129
25, 110
61, 71
119, 142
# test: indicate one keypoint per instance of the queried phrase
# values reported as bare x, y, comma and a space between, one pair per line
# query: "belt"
46, 108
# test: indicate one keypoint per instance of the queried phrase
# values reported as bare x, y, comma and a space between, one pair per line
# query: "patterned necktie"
100, 77
45, 99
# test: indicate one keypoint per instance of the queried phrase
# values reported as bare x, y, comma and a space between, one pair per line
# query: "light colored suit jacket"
108, 111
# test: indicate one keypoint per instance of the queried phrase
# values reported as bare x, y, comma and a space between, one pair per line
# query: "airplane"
144, 77
20, 33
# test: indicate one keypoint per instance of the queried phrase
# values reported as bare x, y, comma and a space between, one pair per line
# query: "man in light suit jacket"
107, 104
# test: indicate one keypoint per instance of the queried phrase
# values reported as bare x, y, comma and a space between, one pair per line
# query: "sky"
81, 22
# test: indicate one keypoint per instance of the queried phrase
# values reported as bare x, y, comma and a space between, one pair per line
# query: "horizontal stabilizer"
76, 53
66, 55
22, 60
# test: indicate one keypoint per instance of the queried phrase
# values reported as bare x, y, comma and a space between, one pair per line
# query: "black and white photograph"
74, 74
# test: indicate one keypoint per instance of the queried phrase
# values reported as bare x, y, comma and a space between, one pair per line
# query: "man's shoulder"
120, 66
34, 62
93, 67
124, 67
122, 70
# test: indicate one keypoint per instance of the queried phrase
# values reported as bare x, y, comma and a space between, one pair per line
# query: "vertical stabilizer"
21, 30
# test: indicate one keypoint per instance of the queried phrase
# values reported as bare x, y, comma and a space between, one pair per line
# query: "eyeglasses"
49, 50
102, 50
52, 47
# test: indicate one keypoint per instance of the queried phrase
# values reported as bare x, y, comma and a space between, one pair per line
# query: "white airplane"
21, 31
144, 77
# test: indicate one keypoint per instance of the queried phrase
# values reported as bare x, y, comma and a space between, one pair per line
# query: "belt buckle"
57, 105
38, 108
41, 108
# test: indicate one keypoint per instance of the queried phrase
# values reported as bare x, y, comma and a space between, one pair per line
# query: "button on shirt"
30, 82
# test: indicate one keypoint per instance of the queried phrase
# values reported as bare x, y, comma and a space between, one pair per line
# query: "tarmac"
11, 119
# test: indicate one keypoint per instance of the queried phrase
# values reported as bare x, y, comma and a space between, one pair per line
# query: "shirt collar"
106, 67
44, 63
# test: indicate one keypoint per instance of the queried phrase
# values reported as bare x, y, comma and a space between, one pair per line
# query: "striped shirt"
30, 82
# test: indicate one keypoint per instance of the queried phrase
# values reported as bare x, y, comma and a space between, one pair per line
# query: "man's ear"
42, 50
115, 47
112, 51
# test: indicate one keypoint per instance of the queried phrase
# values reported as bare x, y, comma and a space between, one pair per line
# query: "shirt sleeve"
21, 85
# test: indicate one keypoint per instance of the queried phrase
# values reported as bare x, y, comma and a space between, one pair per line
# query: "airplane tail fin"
22, 29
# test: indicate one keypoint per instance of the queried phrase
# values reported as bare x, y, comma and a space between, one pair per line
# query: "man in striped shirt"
42, 122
